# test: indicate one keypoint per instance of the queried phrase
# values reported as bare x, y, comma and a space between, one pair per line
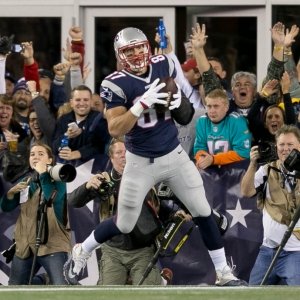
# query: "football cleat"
225, 277
75, 264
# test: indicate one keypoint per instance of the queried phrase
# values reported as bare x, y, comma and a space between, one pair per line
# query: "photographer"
278, 195
124, 256
36, 194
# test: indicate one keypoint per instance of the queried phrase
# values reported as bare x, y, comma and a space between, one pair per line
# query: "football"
171, 89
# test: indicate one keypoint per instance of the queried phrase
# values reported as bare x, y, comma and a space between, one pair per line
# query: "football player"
154, 154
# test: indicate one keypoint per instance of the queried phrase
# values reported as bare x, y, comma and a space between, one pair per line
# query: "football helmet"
130, 38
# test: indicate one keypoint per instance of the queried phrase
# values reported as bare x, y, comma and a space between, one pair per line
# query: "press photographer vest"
281, 205
58, 239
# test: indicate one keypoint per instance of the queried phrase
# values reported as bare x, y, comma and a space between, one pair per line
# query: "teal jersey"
231, 134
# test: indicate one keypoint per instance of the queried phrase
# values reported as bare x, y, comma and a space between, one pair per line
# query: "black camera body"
6, 44
267, 152
292, 162
106, 188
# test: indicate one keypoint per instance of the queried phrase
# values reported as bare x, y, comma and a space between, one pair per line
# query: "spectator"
41, 119
153, 150
220, 138
59, 91
218, 67
8, 125
243, 84
43, 78
277, 189
45, 82
9, 83
97, 103
192, 74
22, 102
31, 66
29, 193
12, 132
265, 118
89, 137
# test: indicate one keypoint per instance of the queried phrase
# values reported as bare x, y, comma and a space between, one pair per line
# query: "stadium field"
150, 293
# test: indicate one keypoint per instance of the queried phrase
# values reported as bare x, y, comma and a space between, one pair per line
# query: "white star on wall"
238, 214
83, 174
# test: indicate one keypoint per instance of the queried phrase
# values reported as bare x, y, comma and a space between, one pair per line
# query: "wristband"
137, 109
59, 77
265, 94
278, 48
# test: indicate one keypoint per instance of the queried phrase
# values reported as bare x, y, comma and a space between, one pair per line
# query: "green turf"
161, 293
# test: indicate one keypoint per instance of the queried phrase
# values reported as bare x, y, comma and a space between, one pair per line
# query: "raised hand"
198, 36
61, 69
68, 50
76, 33
270, 88
278, 35
27, 53
285, 82
290, 35
75, 59
86, 71
31, 84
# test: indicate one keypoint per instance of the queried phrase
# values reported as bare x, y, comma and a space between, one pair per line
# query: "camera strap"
286, 177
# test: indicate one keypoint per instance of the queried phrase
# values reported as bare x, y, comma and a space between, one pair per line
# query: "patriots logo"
106, 94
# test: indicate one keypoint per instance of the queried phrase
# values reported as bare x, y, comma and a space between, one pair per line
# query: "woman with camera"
278, 191
41, 233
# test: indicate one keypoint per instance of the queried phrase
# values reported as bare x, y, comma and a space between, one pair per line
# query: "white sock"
90, 244
218, 258
164, 282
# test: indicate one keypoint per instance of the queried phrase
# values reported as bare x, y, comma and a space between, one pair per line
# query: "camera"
16, 48
106, 188
61, 172
292, 162
6, 44
267, 152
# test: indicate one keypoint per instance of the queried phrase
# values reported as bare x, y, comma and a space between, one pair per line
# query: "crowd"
141, 139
